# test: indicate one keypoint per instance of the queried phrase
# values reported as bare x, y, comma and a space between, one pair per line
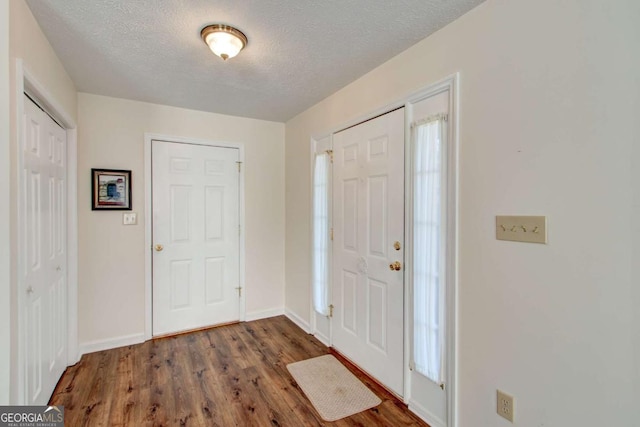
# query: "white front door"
368, 249
196, 236
43, 254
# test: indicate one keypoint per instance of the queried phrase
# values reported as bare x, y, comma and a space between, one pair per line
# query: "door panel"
43, 254
349, 299
196, 273
377, 303
377, 216
214, 206
350, 216
214, 279
368, 218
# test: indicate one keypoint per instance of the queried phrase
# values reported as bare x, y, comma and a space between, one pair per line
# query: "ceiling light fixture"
223, 40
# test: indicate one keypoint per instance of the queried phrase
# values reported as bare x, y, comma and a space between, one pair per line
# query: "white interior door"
196, 236
43, 257
368, 214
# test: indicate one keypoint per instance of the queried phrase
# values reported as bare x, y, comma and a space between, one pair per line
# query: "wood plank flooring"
232, 375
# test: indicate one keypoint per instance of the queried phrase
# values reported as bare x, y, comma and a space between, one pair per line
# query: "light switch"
130, 218
530, 229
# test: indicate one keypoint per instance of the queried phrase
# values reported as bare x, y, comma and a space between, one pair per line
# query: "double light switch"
130, 218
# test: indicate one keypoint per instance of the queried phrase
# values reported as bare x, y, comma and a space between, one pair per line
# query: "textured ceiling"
299, 51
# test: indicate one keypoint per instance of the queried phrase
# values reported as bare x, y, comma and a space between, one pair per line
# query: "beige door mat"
332, 389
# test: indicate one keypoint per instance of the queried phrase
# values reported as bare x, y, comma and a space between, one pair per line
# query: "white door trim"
452, 84
26, 81
148, 229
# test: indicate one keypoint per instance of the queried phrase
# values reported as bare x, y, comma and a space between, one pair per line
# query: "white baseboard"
426, 416
73, 358
109, 343
324, 340
297, 320
263, 314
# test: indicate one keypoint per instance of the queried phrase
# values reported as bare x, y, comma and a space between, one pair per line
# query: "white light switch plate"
530, 229
130, 218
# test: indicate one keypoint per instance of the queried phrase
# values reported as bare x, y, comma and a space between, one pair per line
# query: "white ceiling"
299, 51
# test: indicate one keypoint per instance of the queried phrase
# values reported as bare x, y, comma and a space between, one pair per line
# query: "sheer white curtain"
321, 234
429, 215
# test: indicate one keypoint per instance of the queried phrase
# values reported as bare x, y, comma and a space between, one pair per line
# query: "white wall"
29, 43
5, 188
548, 125
26, 42
111, 266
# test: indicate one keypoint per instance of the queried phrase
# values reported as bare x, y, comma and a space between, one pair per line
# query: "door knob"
159, 248
395, 266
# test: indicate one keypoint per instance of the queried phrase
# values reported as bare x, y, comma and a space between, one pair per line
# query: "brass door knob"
159, 247
395, 266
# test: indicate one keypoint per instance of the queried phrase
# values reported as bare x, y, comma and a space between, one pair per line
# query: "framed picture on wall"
110, 189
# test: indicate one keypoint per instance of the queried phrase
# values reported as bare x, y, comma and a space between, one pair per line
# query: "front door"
43, 254
196, 236
368, 248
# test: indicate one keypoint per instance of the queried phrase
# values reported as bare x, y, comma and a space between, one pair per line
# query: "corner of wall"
303, 324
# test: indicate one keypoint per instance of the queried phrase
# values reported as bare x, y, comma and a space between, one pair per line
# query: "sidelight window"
429, 245
321, 233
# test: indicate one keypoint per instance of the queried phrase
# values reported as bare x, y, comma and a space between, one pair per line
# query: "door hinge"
239, 165
330, 153
330, 310
239, 230
412, 366
239, 288
331, 233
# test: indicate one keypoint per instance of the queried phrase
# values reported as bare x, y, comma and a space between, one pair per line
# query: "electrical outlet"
505, 405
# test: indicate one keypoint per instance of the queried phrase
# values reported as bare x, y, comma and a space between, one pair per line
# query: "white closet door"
43, 254
368, 214
196, 236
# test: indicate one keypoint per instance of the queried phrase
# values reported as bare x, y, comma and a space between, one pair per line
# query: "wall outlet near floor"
130, 218
505, 405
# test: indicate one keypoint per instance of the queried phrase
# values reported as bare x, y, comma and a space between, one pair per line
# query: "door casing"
148, 137
451, 84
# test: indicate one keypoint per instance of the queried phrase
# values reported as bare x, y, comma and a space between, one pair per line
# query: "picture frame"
111, 190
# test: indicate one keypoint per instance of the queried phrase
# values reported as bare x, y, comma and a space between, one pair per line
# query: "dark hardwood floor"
232, 375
